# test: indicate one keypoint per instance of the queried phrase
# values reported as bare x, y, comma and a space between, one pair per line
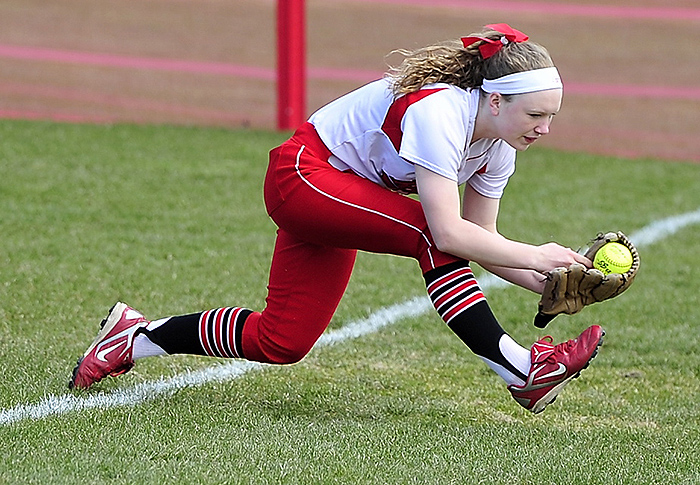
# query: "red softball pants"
324, 216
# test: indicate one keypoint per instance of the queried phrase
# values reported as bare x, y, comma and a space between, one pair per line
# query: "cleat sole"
71, 383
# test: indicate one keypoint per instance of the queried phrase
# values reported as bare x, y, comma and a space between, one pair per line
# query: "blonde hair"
452, 63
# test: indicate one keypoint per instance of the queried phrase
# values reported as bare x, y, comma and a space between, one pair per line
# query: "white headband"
524, 82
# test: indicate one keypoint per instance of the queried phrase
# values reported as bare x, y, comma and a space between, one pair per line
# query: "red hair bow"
490, 47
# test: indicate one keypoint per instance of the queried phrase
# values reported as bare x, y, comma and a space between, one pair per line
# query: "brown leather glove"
568, 290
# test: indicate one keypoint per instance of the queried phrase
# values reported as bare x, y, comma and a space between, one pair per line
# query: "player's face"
524, 118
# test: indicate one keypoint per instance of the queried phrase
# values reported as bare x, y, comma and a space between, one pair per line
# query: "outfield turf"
171, 220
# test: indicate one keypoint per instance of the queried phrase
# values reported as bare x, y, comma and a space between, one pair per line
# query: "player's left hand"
568, 290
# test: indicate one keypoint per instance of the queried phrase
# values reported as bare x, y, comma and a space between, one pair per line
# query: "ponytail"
452, 63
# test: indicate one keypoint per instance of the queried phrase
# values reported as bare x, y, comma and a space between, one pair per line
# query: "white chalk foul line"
131, 396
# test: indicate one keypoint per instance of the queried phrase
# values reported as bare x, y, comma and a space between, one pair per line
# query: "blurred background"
631, 68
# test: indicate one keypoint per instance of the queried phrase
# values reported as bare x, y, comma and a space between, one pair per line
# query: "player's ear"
495, 101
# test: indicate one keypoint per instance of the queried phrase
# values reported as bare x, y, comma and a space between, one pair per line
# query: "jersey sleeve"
435, 134
491, 181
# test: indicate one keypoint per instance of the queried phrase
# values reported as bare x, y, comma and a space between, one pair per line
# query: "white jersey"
381, 138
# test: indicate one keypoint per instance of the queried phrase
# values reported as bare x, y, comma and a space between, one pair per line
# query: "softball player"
451, 114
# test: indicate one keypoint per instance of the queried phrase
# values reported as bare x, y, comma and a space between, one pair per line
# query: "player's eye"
541, 115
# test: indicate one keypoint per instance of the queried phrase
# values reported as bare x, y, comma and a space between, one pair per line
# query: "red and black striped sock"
216, 333
457, 297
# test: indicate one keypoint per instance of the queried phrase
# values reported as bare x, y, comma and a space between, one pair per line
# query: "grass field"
171, 221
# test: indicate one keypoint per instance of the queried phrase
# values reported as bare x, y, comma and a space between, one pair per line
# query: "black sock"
457, 297
215, 333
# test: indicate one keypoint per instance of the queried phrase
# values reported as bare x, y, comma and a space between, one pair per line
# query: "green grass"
171, 220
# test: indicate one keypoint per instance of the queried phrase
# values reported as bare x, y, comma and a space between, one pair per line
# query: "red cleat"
554, 366
110, 354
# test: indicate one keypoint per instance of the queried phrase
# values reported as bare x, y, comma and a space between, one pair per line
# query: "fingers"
581, 259
556, 256
608, 288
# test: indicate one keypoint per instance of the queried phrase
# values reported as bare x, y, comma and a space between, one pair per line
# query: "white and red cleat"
110, 354
554, 366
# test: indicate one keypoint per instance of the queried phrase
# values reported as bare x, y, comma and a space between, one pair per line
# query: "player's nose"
543, 128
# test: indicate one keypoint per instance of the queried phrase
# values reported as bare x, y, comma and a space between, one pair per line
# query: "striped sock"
453, 289
216, 333
220, 332
458, 299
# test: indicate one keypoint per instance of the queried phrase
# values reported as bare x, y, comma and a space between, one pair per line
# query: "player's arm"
484, 212
471, 235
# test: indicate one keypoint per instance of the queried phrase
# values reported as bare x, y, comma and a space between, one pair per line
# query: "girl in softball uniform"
450, 115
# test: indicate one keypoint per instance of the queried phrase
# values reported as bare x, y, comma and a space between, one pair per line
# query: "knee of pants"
266, 344
277, 351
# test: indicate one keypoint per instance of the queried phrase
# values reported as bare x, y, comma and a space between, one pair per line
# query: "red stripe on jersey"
482, 170
397, 110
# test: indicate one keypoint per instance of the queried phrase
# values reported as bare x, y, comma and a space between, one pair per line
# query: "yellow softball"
613, 257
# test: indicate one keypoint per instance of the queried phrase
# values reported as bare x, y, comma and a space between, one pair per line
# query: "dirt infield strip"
631, 69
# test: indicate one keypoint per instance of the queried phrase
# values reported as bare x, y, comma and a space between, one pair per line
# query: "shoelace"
563, 348
559, 349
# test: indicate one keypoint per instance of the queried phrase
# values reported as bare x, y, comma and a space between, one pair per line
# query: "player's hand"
552, 255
